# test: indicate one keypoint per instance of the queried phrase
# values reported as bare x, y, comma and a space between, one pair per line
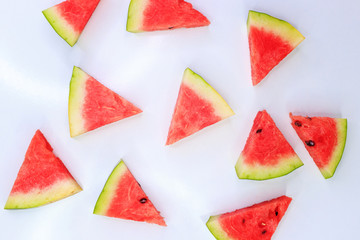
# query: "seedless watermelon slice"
152, 15
92, 105
122, 197
42, 178
70, 17
266, 154
324, 138
198, 106
270, 41
257, 222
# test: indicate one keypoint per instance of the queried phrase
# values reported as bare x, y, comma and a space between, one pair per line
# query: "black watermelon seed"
171, 27
298, 123
263, 232
310, 143
143, 200
276, 213
309, 118
259, 130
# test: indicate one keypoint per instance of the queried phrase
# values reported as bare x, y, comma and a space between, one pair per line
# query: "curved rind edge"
61, 27
135, 16
339, 150
76, 99
106, 195
38, 197
216, 230
285, 166
207, 92
278, 26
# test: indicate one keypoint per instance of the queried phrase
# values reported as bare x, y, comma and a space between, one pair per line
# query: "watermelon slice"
266, 154
257, 222
122, 197
324, 138
92, 105
153, 15
270, 41
70, 17
42, 178
198, 106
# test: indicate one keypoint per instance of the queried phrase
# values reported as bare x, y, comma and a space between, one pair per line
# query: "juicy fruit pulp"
198, 106
70, 17
153, 15
92, 105
270, 41
42, 178
257, 222
324, 139
266, 154
123, 197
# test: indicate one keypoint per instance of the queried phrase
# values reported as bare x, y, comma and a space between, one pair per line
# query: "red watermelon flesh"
257, 222
70, 17
92, 105
123, 197
324, 139
42, 178
266, 154
270, 41
198, 106
152, 15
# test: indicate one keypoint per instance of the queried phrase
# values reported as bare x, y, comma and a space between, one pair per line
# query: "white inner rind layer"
206, 92
109, 190
76, 101
341, 125
215, 228
37, 197
61, 26
136, 15
262, 172
277, 26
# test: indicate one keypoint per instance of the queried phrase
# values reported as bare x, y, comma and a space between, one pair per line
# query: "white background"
194, 178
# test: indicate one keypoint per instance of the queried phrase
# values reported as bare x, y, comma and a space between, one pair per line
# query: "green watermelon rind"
38, 197
329, 171
257, 172
60, 25
215, 228
279, 27
207, 92
107, 194
135, 16
76, 99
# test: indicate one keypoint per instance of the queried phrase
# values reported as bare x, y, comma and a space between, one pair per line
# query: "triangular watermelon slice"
92, 105
70, 17
270, 40
266, 154
324, 138
257, 222
198, 106
42, 178
123, 197
153, 15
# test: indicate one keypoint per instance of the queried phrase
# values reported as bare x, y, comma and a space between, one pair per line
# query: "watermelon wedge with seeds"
266, 154
123, 197
198, 106
257, 222
324, 139
153, 15
270, 41
92, 105
70, 17
42, 178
